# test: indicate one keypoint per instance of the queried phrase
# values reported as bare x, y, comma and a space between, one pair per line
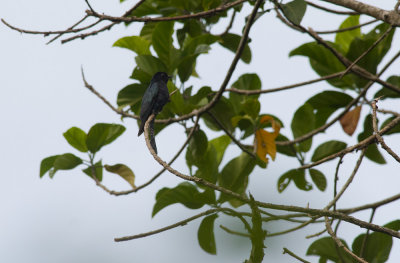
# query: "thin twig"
126, 19
234, 232
364, 143
346, 29
136, 189
287, 251
239, 144
348, 182
382, 37
378, 136
291, 229
72, 27
365, 240
90, 87
336, 180
256, 92
372, 205
180, 223
339, 242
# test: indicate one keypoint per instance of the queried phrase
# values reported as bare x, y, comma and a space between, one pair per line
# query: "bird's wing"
148, 101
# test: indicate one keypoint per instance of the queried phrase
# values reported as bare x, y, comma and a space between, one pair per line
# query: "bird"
153, 100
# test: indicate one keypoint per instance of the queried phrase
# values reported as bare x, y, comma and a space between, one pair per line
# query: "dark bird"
154, 99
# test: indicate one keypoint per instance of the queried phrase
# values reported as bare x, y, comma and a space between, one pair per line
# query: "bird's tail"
152, 137
141, 129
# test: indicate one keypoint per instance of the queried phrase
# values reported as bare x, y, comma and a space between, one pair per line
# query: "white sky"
69, 219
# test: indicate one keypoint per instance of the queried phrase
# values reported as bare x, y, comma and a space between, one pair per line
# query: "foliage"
174, 47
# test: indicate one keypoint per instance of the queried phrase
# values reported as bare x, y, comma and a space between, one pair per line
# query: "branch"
382, 37
239, 144
360, 145
372, 205
348, 182
256, 92
82, 36
125, 19
339, 243
285, 250
378, 136
180, 223
118, 193
95, 92
316, 212
331, 10
346, 29
390, 17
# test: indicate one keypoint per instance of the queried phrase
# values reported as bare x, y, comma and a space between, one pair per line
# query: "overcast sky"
69, 219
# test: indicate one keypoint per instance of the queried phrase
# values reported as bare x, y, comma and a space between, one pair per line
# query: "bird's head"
161, 76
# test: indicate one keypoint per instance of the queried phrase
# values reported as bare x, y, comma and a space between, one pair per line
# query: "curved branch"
339, 243
316, 212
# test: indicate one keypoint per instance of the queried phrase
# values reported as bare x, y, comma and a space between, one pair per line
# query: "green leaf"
150, 64
98, 171
303, 122
205, 234
224, 112
76, 138
318, 178
372, 151
186, 67
220, 144
344, 39
185, 193
372, 59
66, 161
326, 249
207, 165
198, 144
231, 42
245, 82
234, 176
295, 10
122, 170
130, 95
327, 148
324, 62
102, 134
376, 249
387, 93
295, 175
326, 103
162, 41
137, 44
46, 164
147, 30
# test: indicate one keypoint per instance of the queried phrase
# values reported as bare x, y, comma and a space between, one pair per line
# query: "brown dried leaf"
349, 121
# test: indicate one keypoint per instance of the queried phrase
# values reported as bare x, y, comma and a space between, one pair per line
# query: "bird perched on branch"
154, 99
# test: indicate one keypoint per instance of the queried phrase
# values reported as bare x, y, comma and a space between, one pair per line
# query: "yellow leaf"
122, 170
349, 121
265, 141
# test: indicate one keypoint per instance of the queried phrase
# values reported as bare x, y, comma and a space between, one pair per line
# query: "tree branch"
390, 17
180, 223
